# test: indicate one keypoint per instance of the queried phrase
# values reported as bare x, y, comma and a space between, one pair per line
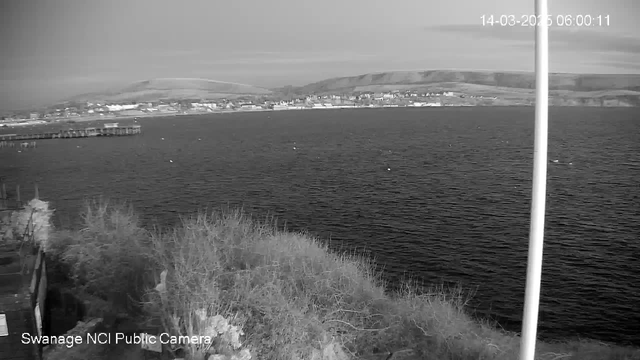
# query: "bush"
299, 300
221, 273
106, 258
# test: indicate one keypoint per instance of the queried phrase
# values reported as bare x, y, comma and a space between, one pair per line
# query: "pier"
107, 130
22, 145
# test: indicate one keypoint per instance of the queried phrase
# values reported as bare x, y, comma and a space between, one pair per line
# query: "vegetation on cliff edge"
292, 296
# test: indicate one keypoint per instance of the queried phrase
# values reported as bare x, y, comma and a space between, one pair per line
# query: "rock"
217, 357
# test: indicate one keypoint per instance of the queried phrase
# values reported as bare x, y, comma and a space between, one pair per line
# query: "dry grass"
291, 295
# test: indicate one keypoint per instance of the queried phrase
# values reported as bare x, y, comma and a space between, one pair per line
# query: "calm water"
440, 194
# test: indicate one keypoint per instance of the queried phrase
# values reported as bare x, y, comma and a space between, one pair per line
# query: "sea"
439, 195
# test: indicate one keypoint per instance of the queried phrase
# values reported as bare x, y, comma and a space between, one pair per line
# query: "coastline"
221, 112
116, 117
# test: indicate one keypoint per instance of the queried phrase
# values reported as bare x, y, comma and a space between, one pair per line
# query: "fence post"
18, 195
37, 196
3, 197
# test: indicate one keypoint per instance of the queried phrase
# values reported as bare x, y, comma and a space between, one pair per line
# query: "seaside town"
96, 111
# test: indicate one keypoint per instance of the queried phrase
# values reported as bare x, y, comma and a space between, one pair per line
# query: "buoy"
162, 139
388, 169
171, 161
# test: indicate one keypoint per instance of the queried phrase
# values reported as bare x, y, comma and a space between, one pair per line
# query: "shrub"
106, 257
34, 222
221, 273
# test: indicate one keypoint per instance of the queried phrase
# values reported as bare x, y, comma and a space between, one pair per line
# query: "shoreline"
7, 129
116, 117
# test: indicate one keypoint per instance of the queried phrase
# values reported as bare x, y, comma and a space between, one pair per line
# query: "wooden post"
18, 195
37, 196
3, 195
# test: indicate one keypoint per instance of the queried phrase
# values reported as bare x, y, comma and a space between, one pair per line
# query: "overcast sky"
52, 49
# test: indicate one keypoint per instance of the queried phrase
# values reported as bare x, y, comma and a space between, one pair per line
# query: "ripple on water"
456, 213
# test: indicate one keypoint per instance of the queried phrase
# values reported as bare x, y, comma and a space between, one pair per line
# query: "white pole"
536, 231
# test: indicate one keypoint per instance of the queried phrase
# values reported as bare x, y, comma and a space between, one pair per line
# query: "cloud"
619, 65
275, 58
569, 39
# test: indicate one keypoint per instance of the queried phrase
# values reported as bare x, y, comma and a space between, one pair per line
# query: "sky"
54, 49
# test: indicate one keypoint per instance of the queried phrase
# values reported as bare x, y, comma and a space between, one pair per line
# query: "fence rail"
15, 201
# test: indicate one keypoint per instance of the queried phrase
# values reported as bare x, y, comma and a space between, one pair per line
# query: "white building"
204, 106
117, 107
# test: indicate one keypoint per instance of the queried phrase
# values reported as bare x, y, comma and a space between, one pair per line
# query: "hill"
506, 81
174, 89
513, 87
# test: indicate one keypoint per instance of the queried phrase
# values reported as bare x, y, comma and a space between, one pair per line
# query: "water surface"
439, 194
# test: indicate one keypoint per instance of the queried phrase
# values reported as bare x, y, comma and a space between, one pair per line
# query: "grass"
294, 298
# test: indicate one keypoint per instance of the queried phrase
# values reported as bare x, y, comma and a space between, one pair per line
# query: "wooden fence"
14, 202
23, 290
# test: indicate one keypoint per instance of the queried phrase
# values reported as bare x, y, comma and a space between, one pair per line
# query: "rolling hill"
174, 89
506, 81
516, 86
